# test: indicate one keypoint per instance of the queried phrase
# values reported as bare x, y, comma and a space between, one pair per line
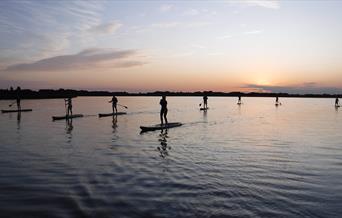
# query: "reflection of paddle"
123, 106
11, 104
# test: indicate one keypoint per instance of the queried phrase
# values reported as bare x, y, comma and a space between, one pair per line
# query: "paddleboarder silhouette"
239, 100
337, 101
205, 101
163, 110
68, 103
18, 98
114, 102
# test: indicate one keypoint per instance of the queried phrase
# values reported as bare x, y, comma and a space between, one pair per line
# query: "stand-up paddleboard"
337, 106
112, 114
204, 109
66, 117
12, 111
159, 126
239, 103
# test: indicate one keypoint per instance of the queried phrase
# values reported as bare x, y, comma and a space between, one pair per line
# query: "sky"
246, 45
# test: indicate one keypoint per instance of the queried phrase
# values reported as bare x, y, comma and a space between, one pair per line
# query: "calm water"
256, 160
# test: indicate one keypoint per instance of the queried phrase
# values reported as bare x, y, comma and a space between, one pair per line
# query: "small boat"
204, 109
12, 111
159, 126
112, 114
66, 117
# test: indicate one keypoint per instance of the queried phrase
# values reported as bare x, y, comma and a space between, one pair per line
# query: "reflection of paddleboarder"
18, 98
163, 149
163, 110
337, 101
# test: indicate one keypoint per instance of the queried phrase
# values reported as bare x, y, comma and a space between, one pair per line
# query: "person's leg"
116, 108
161, 117
165, 118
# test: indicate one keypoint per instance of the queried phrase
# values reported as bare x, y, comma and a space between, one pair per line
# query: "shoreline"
64, 93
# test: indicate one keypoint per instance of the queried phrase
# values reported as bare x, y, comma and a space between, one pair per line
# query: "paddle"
200, 104
11, 104
123, 106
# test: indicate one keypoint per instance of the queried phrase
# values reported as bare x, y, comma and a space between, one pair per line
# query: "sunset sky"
250, 45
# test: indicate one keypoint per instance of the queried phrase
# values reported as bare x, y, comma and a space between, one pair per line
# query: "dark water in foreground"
256, 160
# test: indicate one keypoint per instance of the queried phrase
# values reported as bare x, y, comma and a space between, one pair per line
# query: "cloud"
165, 8
270, 4
106, 28
253, 32
225, 37
45, 29
167, 25
305, 88
87, 58
191, 12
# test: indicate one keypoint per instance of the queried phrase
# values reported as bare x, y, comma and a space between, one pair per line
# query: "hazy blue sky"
172, 45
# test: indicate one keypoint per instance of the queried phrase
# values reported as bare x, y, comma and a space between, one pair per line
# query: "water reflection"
205, 113
18, 120
163, 148
114, 123
69, 127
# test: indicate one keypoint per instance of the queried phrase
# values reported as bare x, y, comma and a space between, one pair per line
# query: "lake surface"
253, 160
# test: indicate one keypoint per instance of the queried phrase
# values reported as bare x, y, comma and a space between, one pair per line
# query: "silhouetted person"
18, 98
277, 100
337, 101
205, 101
68, 103
239, 100
114, 102
163, 110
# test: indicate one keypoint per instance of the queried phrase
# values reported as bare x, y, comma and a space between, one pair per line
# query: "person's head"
164, 97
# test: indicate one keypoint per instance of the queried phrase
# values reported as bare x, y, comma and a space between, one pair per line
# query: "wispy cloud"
305, 88
225, 37
33, 25
106, 28
165, 8
191, 12
270, 4
87, 58
167, 25
252, 32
